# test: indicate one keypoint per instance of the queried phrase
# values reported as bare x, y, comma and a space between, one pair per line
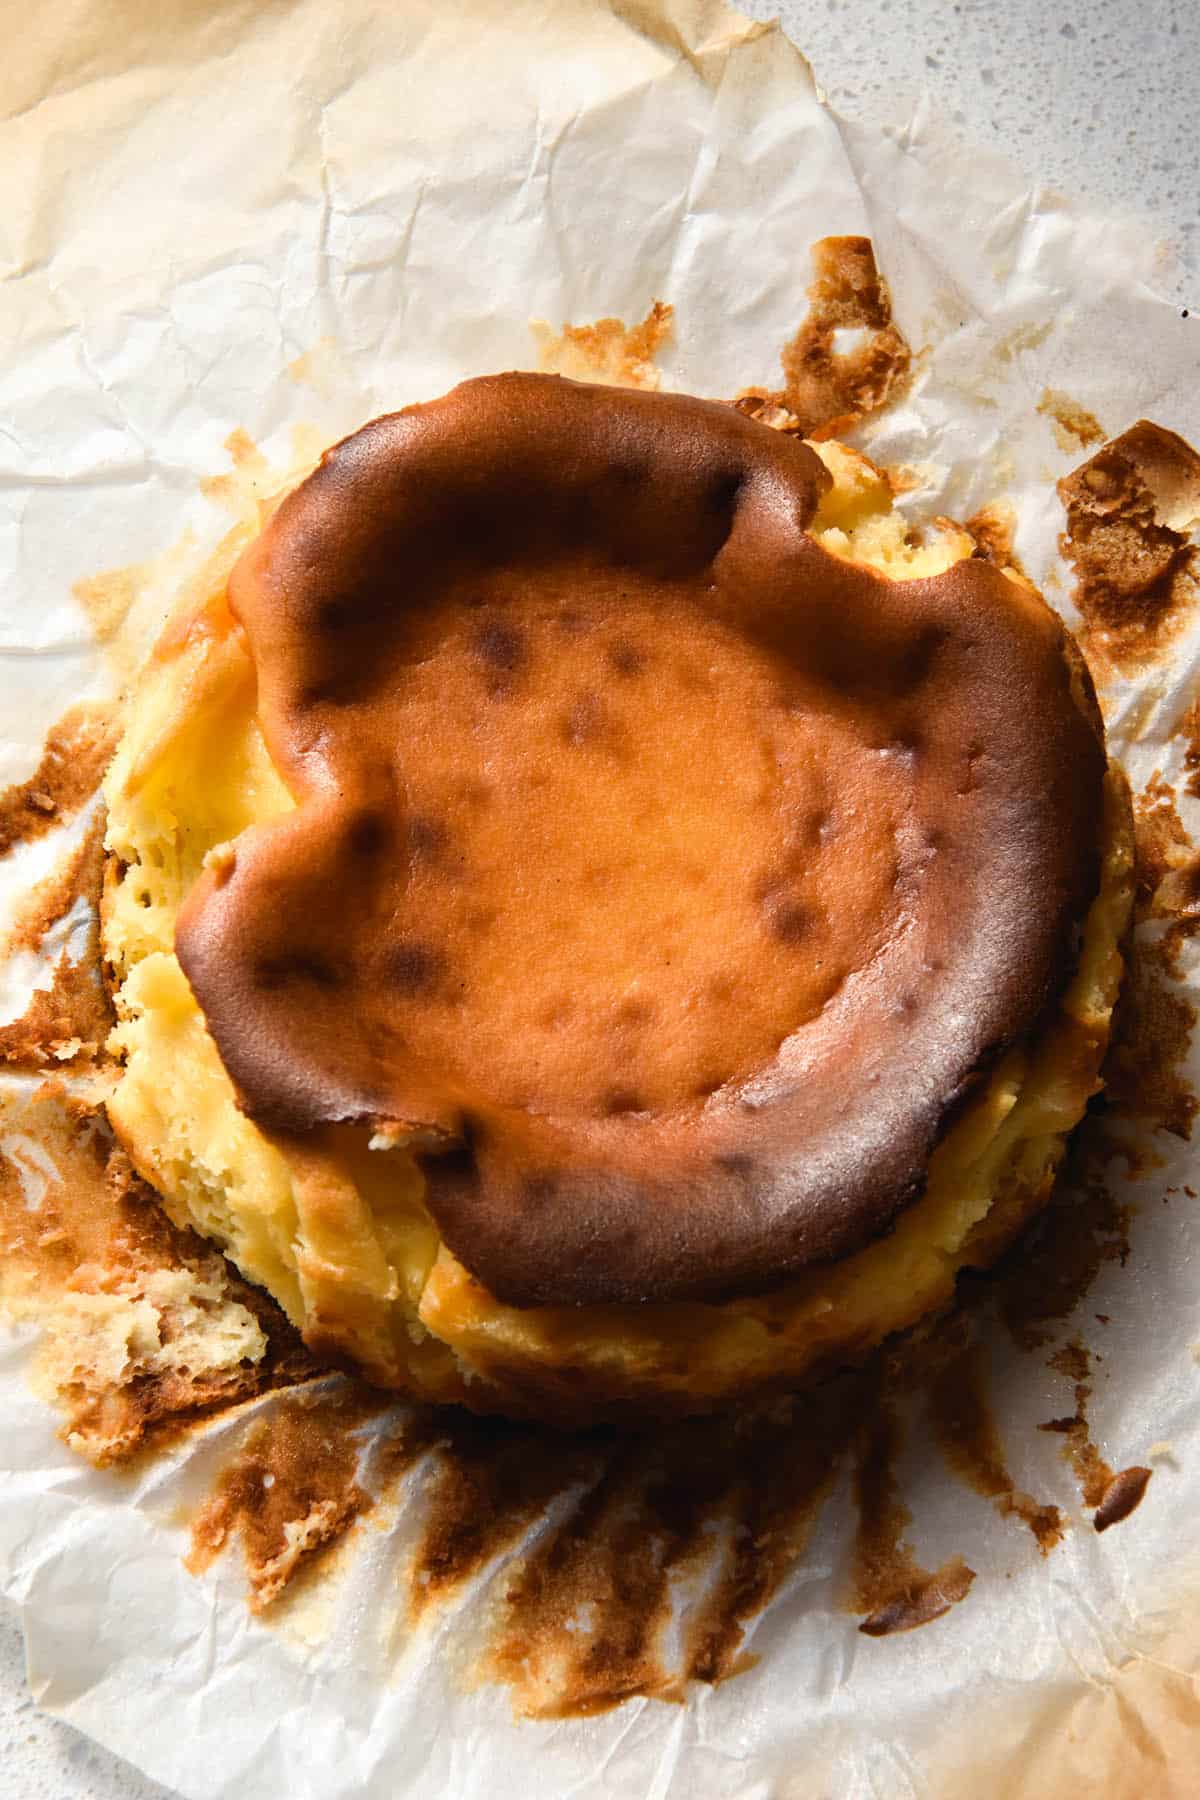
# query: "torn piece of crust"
830, 384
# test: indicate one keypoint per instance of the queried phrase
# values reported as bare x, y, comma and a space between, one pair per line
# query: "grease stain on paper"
66, 1022
1075, 428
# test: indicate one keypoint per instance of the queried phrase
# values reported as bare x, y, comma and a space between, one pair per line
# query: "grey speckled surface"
43, 1760
1095, 100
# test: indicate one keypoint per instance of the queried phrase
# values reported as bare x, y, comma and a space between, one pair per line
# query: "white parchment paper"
189, 202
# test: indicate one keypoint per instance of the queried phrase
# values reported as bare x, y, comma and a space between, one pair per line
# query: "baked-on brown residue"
1113, 1495
783, 1463
888, 1583
66, 1023
968, 1436
1168, 870
1130, 511
607, 350
1074, 427
291, 1491
1085, 1227
723, 1506
491, 1479
63, 1024
74, 757
829, 386
1145, 1069
1187, 732
86, 1250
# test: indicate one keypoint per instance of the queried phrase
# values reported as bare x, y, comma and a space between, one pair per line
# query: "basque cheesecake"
604, 919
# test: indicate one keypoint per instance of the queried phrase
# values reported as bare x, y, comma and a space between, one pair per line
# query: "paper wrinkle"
186, 210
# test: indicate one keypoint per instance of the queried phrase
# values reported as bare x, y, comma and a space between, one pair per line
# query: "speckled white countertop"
1097, 100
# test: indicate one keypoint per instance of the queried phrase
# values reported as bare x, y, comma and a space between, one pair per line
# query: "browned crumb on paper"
78, 877
1130, 511
1075, 428
1086, 1225
238, 490
1163, 843
1091, 1471
76, 752
108, 598
608, 350
1113, 1495
785, 1469
920, 1598
967, 1435
830, 384
1147, 1086
581, 1619
1122, 1496
144, 1327
578, 1619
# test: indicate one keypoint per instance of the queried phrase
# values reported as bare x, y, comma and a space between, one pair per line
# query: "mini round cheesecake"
604, 921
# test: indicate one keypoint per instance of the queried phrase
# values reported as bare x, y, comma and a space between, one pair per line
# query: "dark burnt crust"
817, 1152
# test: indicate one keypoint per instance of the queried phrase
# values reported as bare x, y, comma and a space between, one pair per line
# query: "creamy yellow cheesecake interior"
333, 1221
